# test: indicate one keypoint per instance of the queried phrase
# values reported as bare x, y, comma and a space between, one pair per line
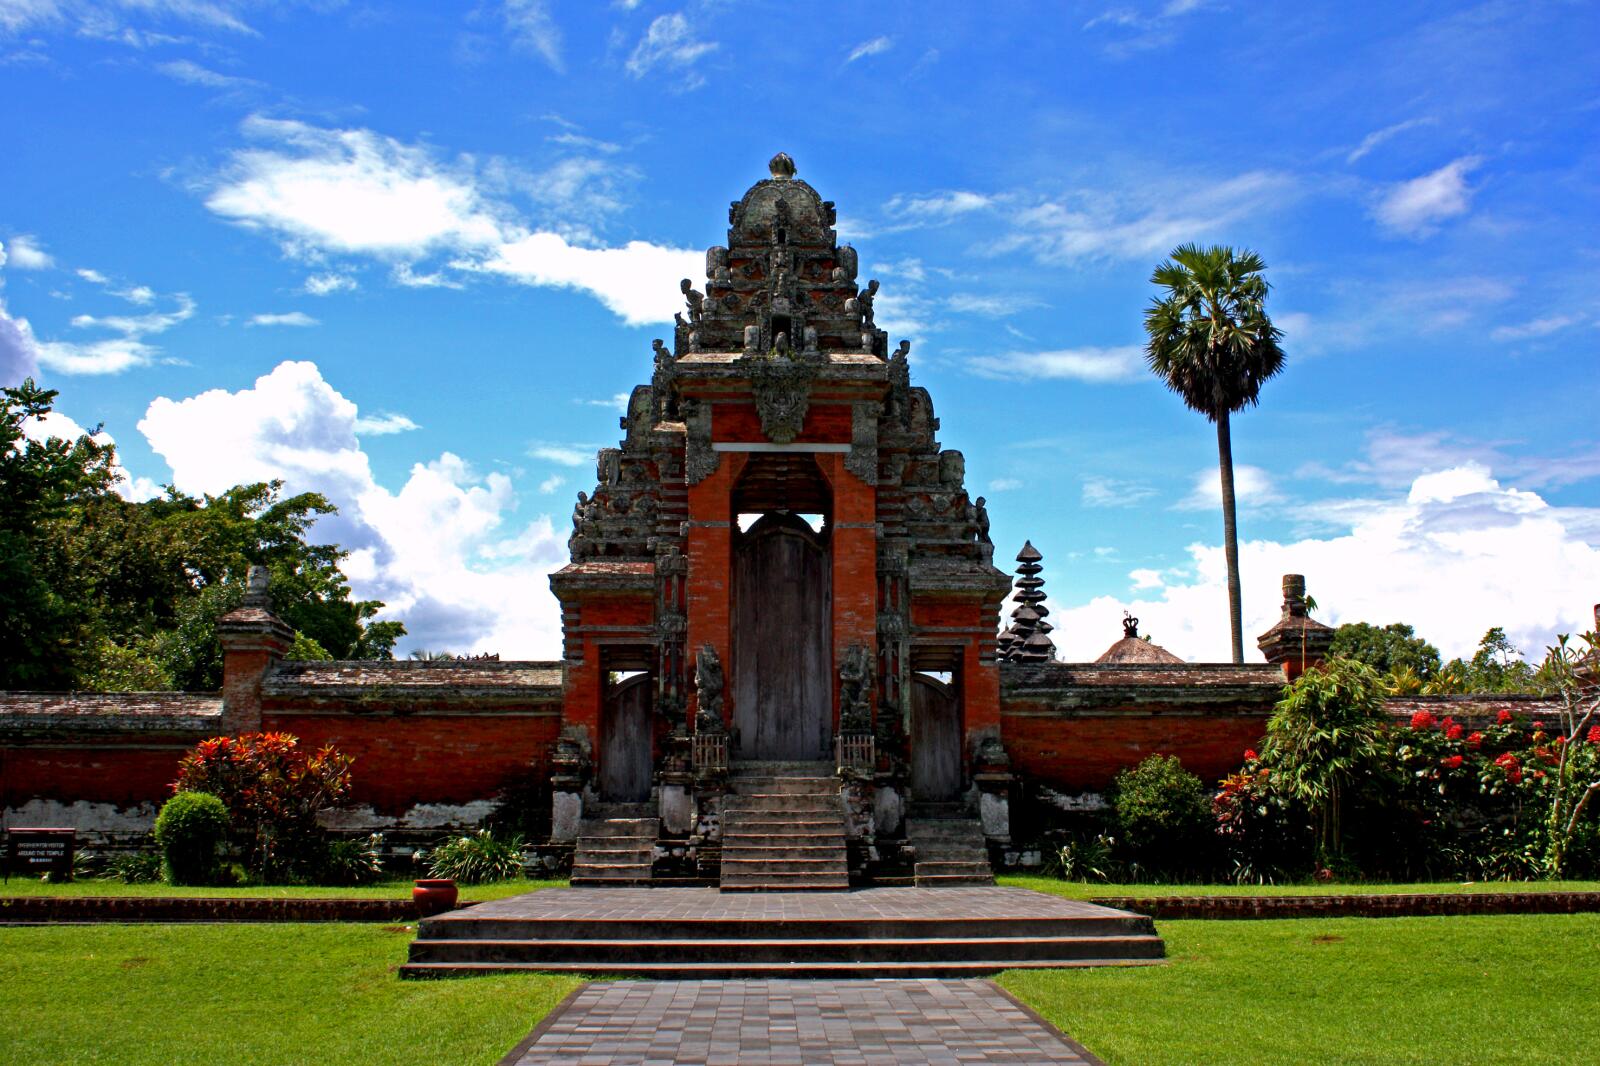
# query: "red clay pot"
435, 895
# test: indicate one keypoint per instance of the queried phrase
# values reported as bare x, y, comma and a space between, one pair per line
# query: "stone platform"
678, 933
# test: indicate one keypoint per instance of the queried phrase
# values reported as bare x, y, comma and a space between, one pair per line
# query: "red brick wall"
121, 772
1083, 753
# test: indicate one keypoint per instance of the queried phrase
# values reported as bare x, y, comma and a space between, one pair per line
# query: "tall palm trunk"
1230, 533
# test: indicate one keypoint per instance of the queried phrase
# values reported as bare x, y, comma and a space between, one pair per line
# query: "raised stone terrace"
704, 933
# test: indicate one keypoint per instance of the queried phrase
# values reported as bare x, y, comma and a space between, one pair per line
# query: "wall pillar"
253, 640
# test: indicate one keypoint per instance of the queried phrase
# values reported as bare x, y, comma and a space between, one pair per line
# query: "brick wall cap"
109, 712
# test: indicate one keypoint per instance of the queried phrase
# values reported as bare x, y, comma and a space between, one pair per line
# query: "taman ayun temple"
783, 662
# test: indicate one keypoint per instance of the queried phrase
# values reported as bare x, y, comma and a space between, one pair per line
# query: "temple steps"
783, 830
615, 851
949, 851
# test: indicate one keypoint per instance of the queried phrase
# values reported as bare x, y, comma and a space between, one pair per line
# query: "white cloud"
443, 552
569, 139
670, 43
327, 284
1456, 554
111, 19
355, 192
192, 73
550, 484
617, 402
1415, 208
1377, 137
24, 253
1143, 579
19, 353
1538, 327
937, 208
1142, 219
876, 46
1110, 492
532, 28
287, 318
110, 355
384, 425
92, 275
987, 304
1252, 486
1005, 484
1094, 365
565, 454
143, 295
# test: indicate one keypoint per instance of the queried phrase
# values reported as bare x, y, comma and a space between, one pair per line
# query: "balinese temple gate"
780, 574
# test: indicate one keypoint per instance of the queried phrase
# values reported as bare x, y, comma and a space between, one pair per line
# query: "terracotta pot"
435, 895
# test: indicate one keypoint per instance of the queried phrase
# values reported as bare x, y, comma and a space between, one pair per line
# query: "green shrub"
135, 867
475, 858
1163, 814
352, 862
190, 829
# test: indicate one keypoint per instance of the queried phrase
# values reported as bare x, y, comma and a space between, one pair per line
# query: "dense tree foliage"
1387, 649
99, 592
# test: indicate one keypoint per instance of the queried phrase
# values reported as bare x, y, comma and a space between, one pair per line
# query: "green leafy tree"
1325, 735
1211, 342
1497, 666
1394, 650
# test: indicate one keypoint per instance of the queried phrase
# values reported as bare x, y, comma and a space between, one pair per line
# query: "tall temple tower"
780, 563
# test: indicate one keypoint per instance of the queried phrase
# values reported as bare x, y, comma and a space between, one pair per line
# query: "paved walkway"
794, 1023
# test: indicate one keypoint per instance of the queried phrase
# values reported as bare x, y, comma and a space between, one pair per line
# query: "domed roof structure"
1133, 649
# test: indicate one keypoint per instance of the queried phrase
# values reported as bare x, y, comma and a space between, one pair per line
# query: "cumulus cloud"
1251, 486
23, 252
444, 552
1415, 208
19, 354
1093, 365
876, 46
287, 318
356, 192
1453, 555
670, 44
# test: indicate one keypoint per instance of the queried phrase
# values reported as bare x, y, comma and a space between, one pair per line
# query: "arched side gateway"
787, 641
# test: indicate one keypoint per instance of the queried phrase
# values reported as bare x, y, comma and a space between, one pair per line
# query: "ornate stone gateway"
783, 702
779, 396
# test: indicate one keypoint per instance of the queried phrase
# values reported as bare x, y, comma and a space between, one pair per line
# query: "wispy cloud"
287, 318
562, 454
550, 484
1137, 30
383, 425
328, 284
1252, 486
1415, 208
1377, 137
127, 349
1111, 492
1098, 366
876, 46
568, 139
192, 73
936, 208
670, 44
532, 28
1538, 327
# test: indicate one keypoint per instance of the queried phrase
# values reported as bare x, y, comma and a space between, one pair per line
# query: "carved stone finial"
781, 166
1297, 642
1130, 625
1027, 640
255, 588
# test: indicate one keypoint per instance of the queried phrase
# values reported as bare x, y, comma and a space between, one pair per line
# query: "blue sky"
409, 255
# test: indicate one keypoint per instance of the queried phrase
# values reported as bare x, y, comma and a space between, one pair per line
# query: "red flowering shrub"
1251, 756
273, 790
1423, 720
1594, 734
1454, 732
1504, 717
1475, 740
1452, 762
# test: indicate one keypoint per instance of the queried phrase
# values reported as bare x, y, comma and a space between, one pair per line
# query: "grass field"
1344, 990
1090, 890
18, 886
1400, 990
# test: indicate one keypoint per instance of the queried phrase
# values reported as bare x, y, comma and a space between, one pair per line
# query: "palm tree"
1212, 343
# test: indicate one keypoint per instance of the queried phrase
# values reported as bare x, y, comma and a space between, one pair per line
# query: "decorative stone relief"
782, 388
863, 458
699, 462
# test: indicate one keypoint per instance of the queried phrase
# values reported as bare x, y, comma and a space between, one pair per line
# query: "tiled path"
794, 1023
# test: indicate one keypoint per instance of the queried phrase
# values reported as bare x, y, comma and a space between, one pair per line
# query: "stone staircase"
950, 851
677, 933
783, 829
615, 851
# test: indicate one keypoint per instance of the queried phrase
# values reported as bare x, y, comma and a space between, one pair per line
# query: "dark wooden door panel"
783, 698
625, 735
935, 740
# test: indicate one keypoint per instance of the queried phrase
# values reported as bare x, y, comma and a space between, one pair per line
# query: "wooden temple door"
625, 740
935, 740
782, 670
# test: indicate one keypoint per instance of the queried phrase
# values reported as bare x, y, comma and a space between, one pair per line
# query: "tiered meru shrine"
783, 661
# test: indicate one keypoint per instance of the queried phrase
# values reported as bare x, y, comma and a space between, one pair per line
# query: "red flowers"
1452, 762
1454, 732
1594, 734
1512, 766
1423, 720
1250, 755
1503, 717
1475, 740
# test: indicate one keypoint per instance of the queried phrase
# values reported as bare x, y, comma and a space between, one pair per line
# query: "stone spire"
1027, 639
1297, 642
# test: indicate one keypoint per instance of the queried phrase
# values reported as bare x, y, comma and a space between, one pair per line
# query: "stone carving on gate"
855, 690
708, 682
782, 387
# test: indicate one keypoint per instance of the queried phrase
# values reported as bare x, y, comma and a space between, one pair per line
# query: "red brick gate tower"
779, 562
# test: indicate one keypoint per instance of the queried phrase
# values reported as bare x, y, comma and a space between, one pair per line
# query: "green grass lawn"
1489, 989
241, 994
20, 886
1089, 890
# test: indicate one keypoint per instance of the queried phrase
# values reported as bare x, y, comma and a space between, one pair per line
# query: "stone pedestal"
994, 806
676, 804
889, 811
566, 814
